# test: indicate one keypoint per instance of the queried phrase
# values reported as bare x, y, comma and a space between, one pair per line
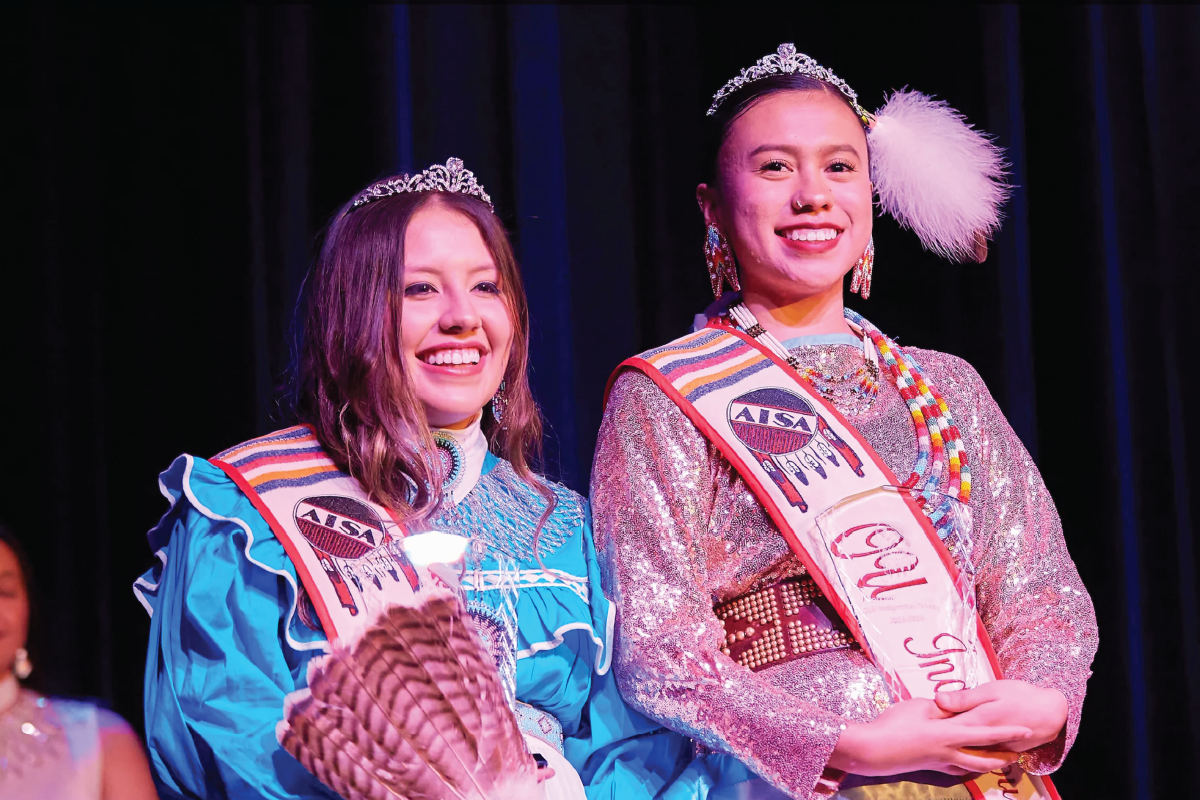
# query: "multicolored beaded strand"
866, 381
940, 448
941, 442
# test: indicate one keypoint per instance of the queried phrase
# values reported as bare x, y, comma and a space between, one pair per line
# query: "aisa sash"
343, 545
868, 546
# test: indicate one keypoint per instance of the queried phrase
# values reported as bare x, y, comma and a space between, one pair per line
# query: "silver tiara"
786, 61
452, 178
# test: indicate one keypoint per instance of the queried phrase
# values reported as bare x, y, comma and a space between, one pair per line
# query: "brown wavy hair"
351, 382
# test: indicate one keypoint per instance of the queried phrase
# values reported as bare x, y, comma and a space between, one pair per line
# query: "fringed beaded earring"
860, 280
500, 405
22, 666
719, 257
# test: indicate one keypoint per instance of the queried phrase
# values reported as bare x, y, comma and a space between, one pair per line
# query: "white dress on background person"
49, 748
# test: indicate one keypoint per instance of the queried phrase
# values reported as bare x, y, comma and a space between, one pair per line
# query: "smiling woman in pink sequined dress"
716, 502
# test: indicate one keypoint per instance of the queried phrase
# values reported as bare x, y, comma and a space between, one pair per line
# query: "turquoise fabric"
226, 646
822, 338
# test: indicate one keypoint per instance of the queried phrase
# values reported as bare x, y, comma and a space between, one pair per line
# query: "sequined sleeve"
1031, 598
653, 487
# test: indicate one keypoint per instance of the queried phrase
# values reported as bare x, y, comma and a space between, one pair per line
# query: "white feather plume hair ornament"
933, 172
936, 174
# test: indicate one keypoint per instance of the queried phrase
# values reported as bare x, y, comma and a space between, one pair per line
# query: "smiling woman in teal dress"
416, 409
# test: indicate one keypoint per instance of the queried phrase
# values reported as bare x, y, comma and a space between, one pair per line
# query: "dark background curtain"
173, 169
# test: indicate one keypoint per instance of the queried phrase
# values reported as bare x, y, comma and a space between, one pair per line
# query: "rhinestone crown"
453, 177
787, 61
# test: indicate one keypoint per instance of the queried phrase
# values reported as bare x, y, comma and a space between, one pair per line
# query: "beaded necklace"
940, 448
854, 390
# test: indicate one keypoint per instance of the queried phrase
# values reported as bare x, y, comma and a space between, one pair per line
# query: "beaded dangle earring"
22, 666
719, 257
500, 405
860, 281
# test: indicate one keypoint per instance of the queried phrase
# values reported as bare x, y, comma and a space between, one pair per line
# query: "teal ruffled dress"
227, 644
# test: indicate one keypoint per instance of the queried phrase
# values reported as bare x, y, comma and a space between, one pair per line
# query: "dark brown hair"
33, 629
351, 382
721, 122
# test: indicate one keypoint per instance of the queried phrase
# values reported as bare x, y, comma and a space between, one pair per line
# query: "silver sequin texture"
678, 530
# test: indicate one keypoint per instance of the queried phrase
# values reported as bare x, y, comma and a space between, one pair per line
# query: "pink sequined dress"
50, 749
678, 531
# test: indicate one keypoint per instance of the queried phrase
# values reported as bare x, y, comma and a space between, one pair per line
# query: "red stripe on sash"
693, 414
288, 546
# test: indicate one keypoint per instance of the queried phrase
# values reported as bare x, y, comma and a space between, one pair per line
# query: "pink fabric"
59, 756
678, 530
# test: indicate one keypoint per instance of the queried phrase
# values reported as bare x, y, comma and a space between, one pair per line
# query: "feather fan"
936, 174
412, 709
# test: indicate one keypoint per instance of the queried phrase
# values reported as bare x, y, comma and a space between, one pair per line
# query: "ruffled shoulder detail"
208, 510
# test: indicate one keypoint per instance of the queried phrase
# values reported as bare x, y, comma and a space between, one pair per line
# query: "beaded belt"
780, 623
541, 724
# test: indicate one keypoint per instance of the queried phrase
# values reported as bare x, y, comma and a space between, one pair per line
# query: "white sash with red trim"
865, 541
342, 544
345, 550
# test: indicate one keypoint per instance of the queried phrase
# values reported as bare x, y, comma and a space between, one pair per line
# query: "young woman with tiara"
836, 568
307, 635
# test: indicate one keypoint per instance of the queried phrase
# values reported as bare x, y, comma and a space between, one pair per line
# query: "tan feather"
330, 755
412, 709
329, 740
336, 683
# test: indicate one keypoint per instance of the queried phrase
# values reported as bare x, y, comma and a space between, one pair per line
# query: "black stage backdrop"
174, 169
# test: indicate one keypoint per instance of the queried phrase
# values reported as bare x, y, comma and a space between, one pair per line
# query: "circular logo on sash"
772, 421
340, 526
